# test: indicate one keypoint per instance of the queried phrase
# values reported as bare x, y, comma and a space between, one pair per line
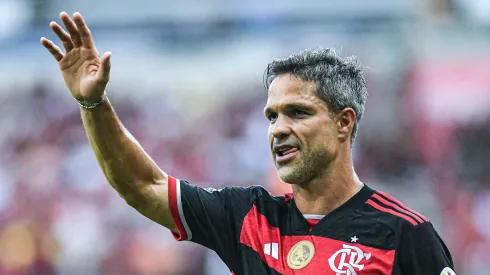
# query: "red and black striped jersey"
255, 233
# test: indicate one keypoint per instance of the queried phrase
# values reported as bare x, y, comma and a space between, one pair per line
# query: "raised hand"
85, 74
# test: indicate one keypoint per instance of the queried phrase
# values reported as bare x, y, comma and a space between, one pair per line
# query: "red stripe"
387, 210
312, 222
257, 231
174, 209
403, 205
288, 197
378, 197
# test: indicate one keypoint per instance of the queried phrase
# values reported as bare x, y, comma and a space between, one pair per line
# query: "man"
331, 224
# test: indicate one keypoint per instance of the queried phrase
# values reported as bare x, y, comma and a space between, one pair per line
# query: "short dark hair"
339, 81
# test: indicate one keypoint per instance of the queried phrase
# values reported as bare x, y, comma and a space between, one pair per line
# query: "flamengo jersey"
255, 233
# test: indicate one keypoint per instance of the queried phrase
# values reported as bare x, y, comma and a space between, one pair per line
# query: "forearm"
124, 162
126, 166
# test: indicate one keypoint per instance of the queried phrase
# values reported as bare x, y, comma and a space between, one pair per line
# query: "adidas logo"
272, 249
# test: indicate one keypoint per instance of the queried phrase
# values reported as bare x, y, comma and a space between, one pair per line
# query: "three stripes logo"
386, 203
272, 249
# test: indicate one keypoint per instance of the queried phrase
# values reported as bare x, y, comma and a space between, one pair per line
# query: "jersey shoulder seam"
386, 224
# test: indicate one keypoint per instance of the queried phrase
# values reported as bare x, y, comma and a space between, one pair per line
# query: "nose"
281, 128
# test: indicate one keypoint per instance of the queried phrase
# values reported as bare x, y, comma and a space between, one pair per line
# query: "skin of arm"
125, 164
127, 167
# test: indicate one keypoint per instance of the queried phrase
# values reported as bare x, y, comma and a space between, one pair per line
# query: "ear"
345, 123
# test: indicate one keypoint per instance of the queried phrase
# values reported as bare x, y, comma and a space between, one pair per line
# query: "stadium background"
187, 82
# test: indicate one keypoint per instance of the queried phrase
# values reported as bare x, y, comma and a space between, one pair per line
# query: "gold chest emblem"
301, 255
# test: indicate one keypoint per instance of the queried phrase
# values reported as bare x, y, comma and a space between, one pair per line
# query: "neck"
324, 194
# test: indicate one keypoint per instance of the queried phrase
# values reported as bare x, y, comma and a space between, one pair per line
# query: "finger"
52, 48
84, 31
72, 29
105, 68
62, 35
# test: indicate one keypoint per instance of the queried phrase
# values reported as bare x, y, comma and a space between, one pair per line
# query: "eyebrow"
289, 106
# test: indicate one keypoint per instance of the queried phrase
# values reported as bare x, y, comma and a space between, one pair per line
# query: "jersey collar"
298, 222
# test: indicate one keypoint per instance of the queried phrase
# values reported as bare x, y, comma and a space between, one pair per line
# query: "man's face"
302, 135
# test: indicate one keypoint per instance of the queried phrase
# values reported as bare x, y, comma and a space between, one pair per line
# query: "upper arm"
422, 251
152, 202
210, 217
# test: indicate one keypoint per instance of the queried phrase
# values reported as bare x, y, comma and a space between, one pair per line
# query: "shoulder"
393, 213
259, 194
255, 194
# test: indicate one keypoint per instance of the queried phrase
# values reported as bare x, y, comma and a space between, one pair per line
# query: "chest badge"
301, 255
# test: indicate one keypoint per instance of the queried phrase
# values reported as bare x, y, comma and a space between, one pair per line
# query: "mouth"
285, 153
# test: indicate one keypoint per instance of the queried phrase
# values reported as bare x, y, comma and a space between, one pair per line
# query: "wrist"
89, 104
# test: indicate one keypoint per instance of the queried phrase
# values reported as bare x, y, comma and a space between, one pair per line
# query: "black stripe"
405, 208
252, 263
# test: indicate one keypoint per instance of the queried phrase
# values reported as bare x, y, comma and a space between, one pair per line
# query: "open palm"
85, 74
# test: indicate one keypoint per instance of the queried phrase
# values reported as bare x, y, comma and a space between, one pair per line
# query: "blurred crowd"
425, 136
58, 215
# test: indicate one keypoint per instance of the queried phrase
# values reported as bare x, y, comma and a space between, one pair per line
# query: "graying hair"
339, 81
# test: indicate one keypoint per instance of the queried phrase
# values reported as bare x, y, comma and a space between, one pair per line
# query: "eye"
299, 113
272, 117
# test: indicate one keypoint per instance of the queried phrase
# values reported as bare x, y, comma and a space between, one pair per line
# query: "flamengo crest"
347, 260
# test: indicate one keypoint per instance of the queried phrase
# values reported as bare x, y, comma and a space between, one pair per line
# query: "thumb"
105, 68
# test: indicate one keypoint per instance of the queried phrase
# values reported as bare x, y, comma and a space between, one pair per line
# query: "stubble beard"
305, 169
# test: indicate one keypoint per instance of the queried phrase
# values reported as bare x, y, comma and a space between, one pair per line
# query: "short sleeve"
423, 252
210, 217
